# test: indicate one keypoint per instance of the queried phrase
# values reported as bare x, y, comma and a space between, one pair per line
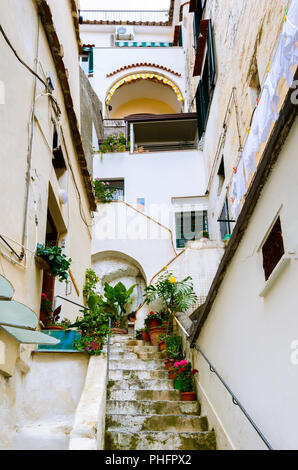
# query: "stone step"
135, 349
171, 395
141, 384
171, 423
131, 356
160, 440
137, 364
121, 374
143, 407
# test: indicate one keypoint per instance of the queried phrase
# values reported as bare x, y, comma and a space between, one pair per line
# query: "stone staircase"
143, 409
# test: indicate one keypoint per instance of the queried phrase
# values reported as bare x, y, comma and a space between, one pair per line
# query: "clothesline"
285, 56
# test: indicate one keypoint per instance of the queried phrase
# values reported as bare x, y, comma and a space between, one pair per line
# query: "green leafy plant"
113, 144
184, 376
118, 298
91, 280
139, 334
161, 337
177, 296
102, 190
174, 347
153, 316
58, 261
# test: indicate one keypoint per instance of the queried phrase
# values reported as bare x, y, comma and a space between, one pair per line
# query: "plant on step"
113, 144
177, 296
161, 337
102, 190
174, 347
58, 261
139, 334
183, 380
91, 280
118, 298
93, 324
153, 319
48, 316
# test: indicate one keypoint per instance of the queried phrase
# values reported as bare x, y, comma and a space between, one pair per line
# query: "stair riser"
159, 441
156, 407
136, 364
134, 423
133, 349
138, 374
141, 384
172, 395
130, 356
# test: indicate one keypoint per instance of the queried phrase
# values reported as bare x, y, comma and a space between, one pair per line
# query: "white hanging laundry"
240, 180
264, 113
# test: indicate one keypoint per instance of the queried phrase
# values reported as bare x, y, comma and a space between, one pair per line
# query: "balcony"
125, 16
164, 132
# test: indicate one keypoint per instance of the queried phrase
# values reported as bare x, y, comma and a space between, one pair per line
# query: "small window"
224, 221
273, 249
86, 60
189, 225
118, 188
221, 175
58, 158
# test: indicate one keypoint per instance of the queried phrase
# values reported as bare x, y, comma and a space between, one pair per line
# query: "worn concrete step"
121, 374
143, 407
137, 364
130, 356
159, 440
172, 395
135, 349
141, 384
171, 423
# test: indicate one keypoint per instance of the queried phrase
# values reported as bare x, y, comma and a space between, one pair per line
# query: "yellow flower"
166, 267
172, 280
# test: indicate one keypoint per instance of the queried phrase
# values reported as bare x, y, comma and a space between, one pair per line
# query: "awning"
18, 320
143, 44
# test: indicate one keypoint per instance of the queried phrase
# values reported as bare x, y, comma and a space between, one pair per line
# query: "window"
87, 60
58, 159
118, 185
206, 84
221, 176
273, 249
189, 225
224, 221
196, 22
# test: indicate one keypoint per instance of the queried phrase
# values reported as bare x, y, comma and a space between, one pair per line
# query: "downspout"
30, 149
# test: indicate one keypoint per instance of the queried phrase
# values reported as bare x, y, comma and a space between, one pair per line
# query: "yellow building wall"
142, 105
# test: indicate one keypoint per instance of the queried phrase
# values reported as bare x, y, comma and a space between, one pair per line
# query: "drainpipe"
30, 148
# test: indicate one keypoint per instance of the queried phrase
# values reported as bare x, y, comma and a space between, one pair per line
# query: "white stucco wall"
249, 338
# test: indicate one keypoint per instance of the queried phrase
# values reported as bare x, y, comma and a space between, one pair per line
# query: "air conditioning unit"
124, 33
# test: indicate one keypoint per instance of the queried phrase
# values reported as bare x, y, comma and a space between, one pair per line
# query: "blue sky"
121, 5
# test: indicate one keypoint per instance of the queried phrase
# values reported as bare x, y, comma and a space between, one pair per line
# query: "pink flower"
177, 364
43, 296
183, 363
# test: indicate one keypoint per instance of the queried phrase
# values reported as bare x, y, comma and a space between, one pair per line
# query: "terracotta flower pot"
154, 332
152, 323
188, 396
145, 336
162, 345
164, 354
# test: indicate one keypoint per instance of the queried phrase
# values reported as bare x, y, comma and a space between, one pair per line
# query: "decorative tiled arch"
143, 64
144, 76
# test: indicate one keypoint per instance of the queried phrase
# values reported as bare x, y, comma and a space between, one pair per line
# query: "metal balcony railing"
126, 15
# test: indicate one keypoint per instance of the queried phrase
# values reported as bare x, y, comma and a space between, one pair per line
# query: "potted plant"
117, 299
174, 347
94, 326
145, 334
153, 319
57, 261
161, 339
169, 363
183, 380
132, 317
102, 190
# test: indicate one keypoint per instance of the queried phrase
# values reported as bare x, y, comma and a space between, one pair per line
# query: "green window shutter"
211, 56
202, 102
180, 42
91, 67
196, 23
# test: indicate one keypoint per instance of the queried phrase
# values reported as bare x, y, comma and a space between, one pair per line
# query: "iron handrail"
70, 301
234, 398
